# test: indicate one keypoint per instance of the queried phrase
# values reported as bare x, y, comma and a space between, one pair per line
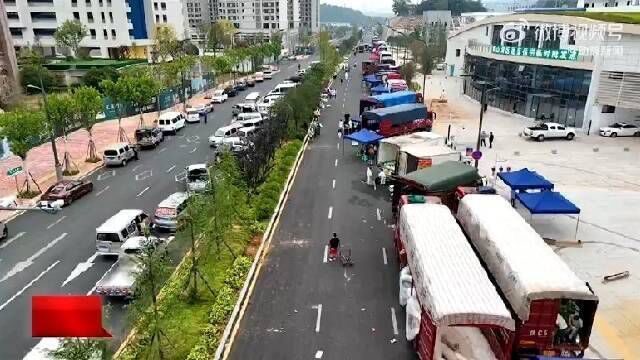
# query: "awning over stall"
380, 89
364, 136
525, 179
547, 202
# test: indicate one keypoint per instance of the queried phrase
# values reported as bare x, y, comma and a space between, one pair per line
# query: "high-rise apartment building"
310, 15
110, 23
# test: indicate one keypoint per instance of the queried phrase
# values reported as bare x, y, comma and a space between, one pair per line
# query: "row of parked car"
122, 234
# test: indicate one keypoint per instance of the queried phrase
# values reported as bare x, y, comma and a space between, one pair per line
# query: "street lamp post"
483, 95
54, 149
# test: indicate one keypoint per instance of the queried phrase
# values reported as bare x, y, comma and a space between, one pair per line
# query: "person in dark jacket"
334, 244
491, 137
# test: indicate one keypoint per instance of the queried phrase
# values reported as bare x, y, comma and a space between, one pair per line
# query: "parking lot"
600, 175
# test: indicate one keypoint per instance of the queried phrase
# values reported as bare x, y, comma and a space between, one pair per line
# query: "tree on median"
23, 128
117, 92
60, 112
88, 103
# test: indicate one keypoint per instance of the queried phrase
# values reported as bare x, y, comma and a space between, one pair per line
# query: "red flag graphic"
67, 316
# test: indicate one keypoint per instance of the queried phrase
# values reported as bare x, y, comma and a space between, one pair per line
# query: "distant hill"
339, 14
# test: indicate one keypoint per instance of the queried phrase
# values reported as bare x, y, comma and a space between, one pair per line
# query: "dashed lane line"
6, 303
12, 239
29, 261
384, 256
330, 212
394, 321
142, 192
319, 308
170, 169
102, 191
56, 222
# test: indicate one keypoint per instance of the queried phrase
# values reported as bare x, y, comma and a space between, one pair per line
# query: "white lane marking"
319, 354
334, 184
163, 149
319, 307
6, 303
105, 175
338, 146
144, 175
384, 255
103, 275
143, 191
25, 264
394, 321
80, 268
194, 150
56, 222
378, 214
336, 163
326, 254
12, 239
135, 168
330, 212
102, 191
170, 169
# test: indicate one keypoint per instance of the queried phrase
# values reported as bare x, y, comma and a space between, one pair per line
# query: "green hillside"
339, 14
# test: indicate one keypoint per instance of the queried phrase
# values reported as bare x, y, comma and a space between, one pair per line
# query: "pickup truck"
549, 130
119, 280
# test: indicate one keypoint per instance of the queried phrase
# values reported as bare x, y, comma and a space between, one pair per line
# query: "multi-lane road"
55, 254
305, 307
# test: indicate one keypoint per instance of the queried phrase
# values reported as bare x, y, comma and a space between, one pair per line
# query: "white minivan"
224, 132
282, 89
248, 116
118, 228
118, 154
171, 122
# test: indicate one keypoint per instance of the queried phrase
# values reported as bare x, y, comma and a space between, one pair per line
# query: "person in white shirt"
383, 177
369, 176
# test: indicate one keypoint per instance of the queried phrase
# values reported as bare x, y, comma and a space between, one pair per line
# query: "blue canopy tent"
380, 89
525, 179
363, 137
548, 202
372, 80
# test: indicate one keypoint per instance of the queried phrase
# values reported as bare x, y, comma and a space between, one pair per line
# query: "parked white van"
240, 108
118, 228
283, 88
247, 132
118, 154
171, 121
255, 122
252, 97
248, 116
224, 132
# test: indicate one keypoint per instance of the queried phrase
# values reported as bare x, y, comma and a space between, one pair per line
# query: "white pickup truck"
119, 280
549, 130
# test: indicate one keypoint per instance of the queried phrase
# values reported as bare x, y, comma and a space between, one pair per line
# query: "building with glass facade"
567, 69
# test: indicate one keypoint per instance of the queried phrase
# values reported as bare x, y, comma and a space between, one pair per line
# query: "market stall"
548, 202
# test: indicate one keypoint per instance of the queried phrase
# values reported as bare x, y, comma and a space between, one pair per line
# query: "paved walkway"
40, 159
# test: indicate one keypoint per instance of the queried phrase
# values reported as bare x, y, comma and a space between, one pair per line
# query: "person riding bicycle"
334, 244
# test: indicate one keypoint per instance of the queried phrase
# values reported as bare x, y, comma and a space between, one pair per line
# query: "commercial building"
111, 24
573, 70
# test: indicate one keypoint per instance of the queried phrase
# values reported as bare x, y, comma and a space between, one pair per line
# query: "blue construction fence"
168, 98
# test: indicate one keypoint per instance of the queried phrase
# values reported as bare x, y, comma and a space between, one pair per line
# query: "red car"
67, 191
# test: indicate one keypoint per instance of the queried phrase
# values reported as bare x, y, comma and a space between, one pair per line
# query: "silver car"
167, 212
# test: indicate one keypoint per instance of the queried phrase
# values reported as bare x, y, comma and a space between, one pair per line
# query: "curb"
228, 336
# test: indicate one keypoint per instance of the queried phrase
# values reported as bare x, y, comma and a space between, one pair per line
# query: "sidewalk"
40, 159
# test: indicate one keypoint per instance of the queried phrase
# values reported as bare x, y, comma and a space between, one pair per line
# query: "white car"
620, 129
219, 97
549, 130
194, 112
267, 74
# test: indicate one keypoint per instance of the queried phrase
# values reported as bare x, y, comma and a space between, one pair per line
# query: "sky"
369, 7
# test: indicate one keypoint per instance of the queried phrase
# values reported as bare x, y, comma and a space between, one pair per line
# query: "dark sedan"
67, 191
230, 91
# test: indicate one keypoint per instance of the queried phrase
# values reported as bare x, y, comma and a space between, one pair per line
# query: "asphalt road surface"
55, 254
304, 307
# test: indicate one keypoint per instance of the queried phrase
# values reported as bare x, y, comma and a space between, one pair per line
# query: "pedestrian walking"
369, 176
340, 127
371, 154
382, 176
206, 116
346, 76
491, 137
483, 138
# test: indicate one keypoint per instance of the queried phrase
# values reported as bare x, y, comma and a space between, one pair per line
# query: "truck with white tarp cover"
419, 156
457, 310
388, 148
554, 308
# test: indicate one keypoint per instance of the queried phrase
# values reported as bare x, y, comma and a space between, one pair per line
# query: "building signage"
14, 171
559, 54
